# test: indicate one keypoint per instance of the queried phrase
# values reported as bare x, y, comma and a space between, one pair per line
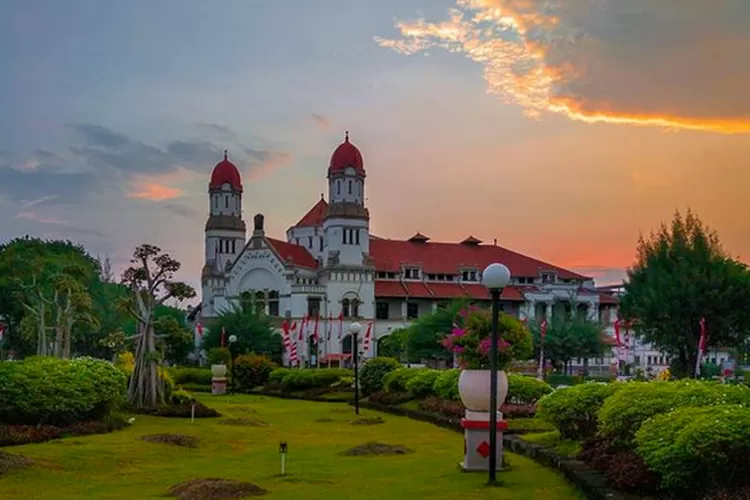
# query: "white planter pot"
474, 389
219, 371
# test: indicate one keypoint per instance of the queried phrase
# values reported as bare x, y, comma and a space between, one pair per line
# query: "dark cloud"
25, 185
96, 135
219, 130
46, 154
181, 210
197, 153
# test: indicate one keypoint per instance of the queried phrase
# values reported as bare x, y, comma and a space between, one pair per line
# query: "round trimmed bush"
374, 371
574, 410
622, 414
311, 378
525, 390
695, 448
422, 384
278, 375
251, 370
396, 380
45, 390
446, 385
191, 375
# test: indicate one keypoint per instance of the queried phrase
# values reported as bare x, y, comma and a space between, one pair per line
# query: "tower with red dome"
225, 232
346, 222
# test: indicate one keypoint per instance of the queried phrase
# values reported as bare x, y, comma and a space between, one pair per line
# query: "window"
273, 303
411, 273
309, 242
216, 202
296, 240
381, 310
234, 246
548, 277
356, 232
338, 187
412, 310
226, 201
469, 275
260, 302
355, 308
343, 236
313, 306
350, 187
345, 308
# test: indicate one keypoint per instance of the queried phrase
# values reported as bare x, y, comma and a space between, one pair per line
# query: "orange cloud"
159, 187
671, 64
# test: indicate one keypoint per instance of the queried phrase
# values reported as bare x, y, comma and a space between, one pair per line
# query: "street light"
354, 329
495, 277
232, 340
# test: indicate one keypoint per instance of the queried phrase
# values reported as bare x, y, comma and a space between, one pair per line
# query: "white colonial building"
330, 266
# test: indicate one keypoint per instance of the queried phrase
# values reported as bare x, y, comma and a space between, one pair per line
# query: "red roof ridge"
291, 253
314, 216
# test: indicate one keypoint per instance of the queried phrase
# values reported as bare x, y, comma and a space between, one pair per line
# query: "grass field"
123, 466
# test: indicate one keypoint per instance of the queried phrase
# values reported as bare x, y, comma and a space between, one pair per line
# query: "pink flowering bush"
470, 339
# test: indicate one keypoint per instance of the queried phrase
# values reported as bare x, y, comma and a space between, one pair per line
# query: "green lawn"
122, 466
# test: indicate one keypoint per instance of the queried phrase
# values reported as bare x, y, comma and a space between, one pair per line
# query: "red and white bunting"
368, 336
198, 329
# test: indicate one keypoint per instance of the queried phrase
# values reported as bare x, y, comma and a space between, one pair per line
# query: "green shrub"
374, 371
573, 410
524, 390
45, 390
182, 397
251, 370
303, 379
697, 448
278, 374
622, 414
219, 356
446, 385
557, 379
422, 384
191, 375
396, 380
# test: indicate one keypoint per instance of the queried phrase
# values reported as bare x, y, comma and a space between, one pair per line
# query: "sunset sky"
563, 128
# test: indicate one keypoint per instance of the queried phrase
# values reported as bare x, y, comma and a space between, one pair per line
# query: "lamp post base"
476, 425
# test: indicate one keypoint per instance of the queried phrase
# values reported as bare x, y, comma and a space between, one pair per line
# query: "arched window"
350, 187
338, 187
226, 201
345, 308
273, 303
320, 238
355, 308
260, 302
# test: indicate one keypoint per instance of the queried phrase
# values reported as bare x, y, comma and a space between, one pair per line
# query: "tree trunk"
145, 390
42, 341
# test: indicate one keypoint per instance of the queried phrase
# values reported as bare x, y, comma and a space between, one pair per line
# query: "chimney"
494, 242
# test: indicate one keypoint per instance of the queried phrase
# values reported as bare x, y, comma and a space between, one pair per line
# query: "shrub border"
588, 480
285, 395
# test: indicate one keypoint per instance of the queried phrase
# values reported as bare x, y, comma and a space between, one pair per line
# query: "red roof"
448, 258
293, 254
605, 298
315, 216
422, 290
347, 155
225, 172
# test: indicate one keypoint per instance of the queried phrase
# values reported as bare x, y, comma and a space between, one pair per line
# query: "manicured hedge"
525, 390
374, 371
396, 380
621, 415
278, 374
422, 384
45, 390
302, 379
574, 410
698, 448
446, 385
191, 375
251, 370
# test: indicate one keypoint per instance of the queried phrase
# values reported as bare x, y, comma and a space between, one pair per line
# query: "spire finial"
347, 136
225, 155
321, 196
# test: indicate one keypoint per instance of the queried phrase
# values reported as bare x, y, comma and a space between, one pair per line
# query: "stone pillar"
476, 425
593, 311
403, 310
548, 311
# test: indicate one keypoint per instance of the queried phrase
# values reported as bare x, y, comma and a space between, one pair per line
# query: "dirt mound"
243, 409
12, 461
368, 421
244, 421
175, 439
378, 449
214, 489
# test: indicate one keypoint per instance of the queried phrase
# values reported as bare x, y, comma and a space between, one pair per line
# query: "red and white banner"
341, 325
702, 345
198, 329
2, 332
543, 330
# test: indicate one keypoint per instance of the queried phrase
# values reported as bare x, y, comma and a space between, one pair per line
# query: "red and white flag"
223, 336
303, 329
330, 327
292, 345
2, 332
702, 345
543, 330
341, 325
285, 335
368, 336
198, 329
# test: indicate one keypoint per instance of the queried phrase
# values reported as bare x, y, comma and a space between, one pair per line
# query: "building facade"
331, 266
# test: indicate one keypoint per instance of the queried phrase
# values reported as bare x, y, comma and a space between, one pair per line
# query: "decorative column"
548, 311
476, 425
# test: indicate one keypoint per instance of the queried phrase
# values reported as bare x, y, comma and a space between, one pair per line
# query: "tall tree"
682, 274
422, 341
569, 338
151, 280
254, 331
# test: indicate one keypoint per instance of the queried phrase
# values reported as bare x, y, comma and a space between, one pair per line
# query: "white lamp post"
232, 340
495, 277
354, 329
